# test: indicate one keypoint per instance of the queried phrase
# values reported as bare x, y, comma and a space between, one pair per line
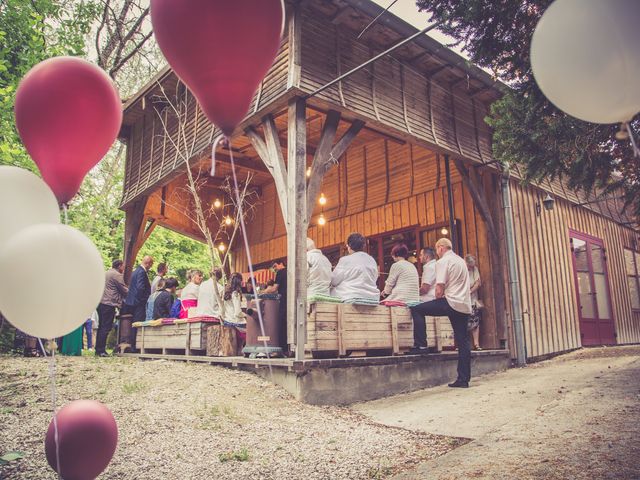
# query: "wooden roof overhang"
150, 165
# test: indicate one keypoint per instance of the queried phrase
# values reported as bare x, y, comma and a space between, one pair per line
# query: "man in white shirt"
428, 285
319, 272
356, 274
453, 300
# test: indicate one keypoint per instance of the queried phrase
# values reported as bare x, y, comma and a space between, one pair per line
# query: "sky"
407, 10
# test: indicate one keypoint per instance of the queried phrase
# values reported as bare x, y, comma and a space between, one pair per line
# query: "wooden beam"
297, 233
133, 227
471, 181
271, 156
327, 155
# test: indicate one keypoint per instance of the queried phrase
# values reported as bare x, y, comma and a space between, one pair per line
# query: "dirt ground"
576, 416
195, 421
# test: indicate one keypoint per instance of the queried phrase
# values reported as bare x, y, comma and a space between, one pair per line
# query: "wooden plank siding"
549, 303
390, 207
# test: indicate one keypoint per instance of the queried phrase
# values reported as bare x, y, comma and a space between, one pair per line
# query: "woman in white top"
402, 283
476, 304
233, 300
208, 305
356, 274
190, 291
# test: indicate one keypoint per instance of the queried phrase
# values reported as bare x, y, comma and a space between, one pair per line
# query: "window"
632, 263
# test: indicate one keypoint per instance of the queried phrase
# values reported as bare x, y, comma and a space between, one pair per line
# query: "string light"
228, 220
321, 220
222, 247
308, 172
444, 231
322, 200
217, 203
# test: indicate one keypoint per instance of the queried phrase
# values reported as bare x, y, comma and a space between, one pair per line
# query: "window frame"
635, 254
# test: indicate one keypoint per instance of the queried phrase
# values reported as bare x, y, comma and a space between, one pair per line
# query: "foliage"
179, 252
239, 456
31, 31
528, 129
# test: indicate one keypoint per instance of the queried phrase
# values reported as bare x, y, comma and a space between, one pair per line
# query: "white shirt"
451, 270
319, 273
154, 284
355, 276
207, 302
402, 283
429, 277
233, 309
190, 292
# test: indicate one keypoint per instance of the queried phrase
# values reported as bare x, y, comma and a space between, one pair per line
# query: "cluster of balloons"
585, 58
68, 114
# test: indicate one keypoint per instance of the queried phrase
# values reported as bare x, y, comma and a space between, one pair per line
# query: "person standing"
319, 272
280, 287
453, 300
162, 271
428, 286
115, 290
139, 290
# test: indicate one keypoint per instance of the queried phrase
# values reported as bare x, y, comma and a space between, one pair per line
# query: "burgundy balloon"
68, 114
87, 437
221, 49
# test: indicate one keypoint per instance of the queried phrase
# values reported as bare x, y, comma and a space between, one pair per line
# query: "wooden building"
401, 152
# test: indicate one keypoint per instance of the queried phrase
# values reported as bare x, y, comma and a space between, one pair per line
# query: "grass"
237, 456
216, 416
133, 387
6, 411
382, 470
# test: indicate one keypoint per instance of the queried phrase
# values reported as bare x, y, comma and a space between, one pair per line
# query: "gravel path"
194, 421
574, 417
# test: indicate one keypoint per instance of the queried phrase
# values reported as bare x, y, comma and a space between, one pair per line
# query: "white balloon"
25, 200
585, 56
52, 280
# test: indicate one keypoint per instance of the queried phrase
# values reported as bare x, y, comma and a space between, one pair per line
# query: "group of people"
449, 287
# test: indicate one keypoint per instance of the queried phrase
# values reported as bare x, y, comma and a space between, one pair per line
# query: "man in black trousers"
114, 292
453, 299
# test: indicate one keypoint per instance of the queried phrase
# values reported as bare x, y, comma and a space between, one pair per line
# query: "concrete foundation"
344, 381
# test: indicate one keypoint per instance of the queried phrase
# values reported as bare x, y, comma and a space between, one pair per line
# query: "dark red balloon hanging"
68, 114
221, 49
87, 440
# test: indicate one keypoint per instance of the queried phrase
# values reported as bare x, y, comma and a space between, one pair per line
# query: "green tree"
528, 129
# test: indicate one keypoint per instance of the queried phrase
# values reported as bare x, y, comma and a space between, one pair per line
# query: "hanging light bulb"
308, 172
222, 247
321, 220
228, 220
217, 203
444, 231
322, 200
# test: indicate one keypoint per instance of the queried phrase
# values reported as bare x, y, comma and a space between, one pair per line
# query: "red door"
592, 288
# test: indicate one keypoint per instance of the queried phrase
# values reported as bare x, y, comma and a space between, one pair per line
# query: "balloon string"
213, 154
66, 213
634, 145
243, 229
54, 401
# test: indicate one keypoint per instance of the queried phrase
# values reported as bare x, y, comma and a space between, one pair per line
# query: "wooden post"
133, 235
490, 213
297, 233
452, 215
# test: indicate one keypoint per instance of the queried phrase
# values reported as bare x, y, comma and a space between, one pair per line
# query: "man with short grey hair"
452, 300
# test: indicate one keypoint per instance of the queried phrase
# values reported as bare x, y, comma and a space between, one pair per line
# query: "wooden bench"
187, 337
336, 328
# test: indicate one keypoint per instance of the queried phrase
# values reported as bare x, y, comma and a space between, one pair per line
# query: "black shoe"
418, 351
459, 384
102, 354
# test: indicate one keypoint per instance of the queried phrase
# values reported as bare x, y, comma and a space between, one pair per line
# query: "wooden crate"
440, 330
184, 336
341, 328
